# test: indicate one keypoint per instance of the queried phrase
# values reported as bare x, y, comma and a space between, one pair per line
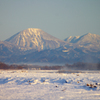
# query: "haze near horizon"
59, 18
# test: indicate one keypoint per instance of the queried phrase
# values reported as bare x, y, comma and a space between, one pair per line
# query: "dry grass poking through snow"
48, 85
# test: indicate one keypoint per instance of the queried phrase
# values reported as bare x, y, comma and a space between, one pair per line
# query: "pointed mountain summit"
34, 38
88, 41
89, 38
71, 39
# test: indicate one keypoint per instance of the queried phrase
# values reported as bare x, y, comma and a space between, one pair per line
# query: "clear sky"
60, 18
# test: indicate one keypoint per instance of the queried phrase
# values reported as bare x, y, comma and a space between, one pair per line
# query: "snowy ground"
48, 85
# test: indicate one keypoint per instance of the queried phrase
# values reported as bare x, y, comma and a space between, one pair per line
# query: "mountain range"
35, 45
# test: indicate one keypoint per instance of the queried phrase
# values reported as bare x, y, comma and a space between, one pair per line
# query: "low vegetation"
83, 66
5, 66
75, 66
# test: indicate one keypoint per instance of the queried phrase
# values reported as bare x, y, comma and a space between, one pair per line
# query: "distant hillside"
7, 49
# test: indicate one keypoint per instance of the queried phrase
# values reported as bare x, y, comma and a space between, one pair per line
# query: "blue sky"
60, 18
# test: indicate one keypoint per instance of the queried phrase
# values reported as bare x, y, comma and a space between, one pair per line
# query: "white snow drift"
48, 85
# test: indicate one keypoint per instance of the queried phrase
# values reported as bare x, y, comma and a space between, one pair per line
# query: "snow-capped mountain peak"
34, 38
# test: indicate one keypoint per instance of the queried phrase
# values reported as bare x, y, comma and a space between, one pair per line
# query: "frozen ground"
48, 85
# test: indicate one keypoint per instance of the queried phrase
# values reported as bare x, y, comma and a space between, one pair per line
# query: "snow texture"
48, 85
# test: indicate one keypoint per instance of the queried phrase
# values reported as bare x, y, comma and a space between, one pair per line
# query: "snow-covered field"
48, 85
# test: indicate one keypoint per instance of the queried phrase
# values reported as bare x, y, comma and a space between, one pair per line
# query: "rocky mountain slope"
35, 39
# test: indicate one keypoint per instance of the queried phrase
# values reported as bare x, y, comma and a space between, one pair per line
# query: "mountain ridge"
88, 36
35, 45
